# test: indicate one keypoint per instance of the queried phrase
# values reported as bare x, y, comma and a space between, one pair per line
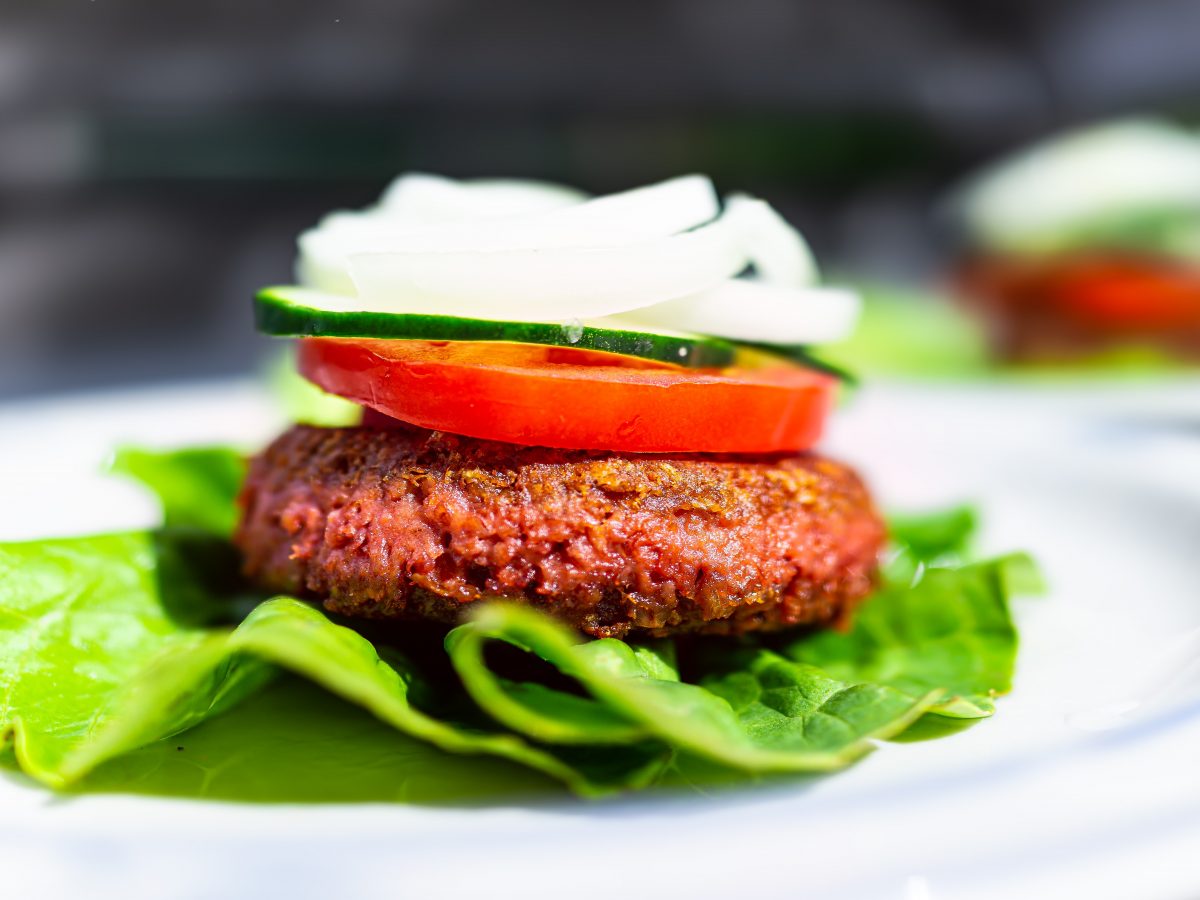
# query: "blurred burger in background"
1086, 248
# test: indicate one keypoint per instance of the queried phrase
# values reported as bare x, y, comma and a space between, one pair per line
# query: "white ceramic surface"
1084, 783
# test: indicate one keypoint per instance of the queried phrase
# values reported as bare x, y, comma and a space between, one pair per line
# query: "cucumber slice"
301, 312
799, 354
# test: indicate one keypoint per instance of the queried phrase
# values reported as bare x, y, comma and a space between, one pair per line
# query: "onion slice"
662, 255
642, 214
783, 305
743, 309
321, 261
657, 211
553, 284
413, 201
426, 199
778, 251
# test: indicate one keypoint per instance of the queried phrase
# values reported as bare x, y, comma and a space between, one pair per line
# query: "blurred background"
158, 159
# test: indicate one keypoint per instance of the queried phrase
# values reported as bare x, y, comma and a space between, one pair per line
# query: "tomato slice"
1111, 294
1132, 296
551, 397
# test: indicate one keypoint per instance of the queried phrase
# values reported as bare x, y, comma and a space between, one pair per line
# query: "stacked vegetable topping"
643, 321
1089, 244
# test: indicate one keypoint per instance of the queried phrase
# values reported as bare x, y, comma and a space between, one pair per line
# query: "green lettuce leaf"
934, 537
760, 713
1153, 230
80, 618
110, 646
302, 401
294, 742
913, 334
95, 663
918, 333
950, 630
197, 487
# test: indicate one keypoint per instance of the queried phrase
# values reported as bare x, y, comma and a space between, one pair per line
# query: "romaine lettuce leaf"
757, 711
950, 630
294, 742
1160, 230
912, 332
95, 663
197, 486
302, 401
78, 619
932, 537
110, 645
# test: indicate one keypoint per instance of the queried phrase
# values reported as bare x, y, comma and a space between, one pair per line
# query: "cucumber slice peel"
289, 311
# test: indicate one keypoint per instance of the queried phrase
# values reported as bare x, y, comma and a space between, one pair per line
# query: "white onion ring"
642, 214
532, 251
321, 261
745, 309
780, 306
778, 251
659, 210
550, 285
427, 199
412, 201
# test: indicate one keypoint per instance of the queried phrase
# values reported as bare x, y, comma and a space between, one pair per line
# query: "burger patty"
407, 523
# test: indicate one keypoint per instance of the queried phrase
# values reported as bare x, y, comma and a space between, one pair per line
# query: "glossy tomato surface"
555, 397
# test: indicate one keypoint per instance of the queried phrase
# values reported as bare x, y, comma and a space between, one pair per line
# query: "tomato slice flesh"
548, 397
1132, 296
1114, 294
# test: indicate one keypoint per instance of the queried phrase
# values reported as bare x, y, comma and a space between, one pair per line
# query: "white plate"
1084, 783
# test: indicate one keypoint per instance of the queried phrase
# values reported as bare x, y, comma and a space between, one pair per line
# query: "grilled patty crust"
407, 523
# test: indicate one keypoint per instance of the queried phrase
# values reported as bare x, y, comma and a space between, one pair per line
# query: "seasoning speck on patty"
405, 523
